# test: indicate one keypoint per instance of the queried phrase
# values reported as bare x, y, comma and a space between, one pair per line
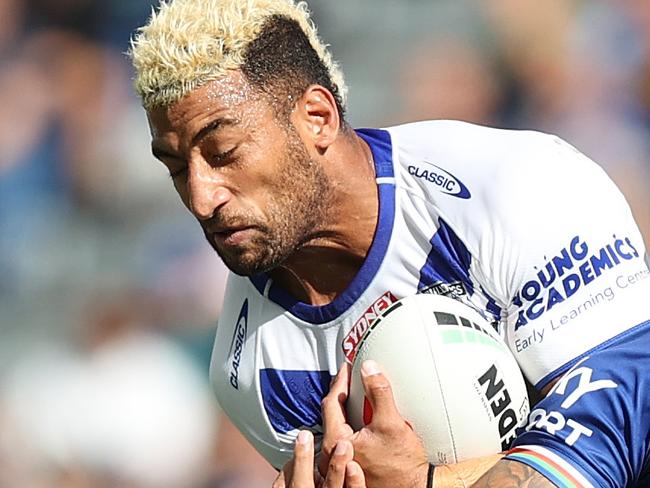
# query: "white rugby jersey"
517, 224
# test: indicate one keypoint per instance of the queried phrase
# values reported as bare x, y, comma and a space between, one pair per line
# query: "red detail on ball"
367, 411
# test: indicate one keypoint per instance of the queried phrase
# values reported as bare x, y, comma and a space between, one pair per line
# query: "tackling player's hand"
335, 425
387, 449
300, 472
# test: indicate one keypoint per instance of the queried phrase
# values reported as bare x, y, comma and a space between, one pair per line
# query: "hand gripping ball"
453, 378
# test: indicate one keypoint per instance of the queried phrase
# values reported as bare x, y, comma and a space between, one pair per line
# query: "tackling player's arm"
465, 473
510, 474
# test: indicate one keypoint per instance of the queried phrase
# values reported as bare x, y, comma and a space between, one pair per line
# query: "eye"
223, 157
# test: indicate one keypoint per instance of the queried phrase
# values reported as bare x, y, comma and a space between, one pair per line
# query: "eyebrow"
212, 126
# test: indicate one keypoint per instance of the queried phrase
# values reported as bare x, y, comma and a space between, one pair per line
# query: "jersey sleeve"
593, 428
563, 251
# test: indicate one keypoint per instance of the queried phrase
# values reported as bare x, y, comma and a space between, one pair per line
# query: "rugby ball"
453, 378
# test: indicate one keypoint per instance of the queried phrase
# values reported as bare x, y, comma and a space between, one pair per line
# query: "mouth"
232, 236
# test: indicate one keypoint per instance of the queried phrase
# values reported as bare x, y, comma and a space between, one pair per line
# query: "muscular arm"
464, 473
489, 472
512, 474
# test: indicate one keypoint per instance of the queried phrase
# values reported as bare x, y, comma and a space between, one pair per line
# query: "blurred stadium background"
108, 294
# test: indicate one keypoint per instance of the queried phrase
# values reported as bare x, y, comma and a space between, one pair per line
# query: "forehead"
229, 96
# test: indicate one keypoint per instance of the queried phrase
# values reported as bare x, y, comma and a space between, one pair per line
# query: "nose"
207, 191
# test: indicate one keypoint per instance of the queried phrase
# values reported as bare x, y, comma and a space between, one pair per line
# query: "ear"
316, 117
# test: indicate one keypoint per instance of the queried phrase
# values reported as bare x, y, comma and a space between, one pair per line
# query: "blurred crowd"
108, 294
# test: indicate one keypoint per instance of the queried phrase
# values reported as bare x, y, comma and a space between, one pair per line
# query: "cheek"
262, 176
272, 189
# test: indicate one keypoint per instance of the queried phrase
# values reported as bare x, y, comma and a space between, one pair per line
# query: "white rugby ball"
454, 379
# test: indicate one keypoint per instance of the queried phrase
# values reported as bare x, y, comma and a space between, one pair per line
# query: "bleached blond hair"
187, 43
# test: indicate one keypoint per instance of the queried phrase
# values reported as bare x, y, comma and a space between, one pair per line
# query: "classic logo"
352, 339
237, 344
443, 179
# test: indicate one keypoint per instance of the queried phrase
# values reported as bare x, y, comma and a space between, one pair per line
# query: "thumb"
380, 395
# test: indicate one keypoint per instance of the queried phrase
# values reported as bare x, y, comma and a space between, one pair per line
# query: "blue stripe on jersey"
380, 144
448, 261
491, 305
259, 281
382, 151
292, 398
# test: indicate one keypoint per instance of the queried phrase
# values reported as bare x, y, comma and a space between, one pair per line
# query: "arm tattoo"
512, 474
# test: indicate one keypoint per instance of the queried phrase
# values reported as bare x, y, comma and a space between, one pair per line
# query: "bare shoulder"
512, 474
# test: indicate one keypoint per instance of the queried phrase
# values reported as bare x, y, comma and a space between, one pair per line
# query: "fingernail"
304, 436
341, 448
352, 469
370, 367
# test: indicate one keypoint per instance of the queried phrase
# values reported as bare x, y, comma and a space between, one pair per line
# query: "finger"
279, 480
303, 464
380, 395
354, 477
334, 401
341, 456
319, 480
334, 421
286, 473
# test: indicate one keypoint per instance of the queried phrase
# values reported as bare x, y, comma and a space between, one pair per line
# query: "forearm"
512, 474
464, 474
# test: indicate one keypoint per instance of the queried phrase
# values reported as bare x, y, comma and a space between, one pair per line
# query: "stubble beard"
301, 198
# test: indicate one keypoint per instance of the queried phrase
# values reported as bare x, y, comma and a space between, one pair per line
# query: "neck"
326, 264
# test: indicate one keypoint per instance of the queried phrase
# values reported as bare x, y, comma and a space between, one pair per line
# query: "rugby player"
324, 226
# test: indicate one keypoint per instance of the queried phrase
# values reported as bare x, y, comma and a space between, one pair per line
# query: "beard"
301, 195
